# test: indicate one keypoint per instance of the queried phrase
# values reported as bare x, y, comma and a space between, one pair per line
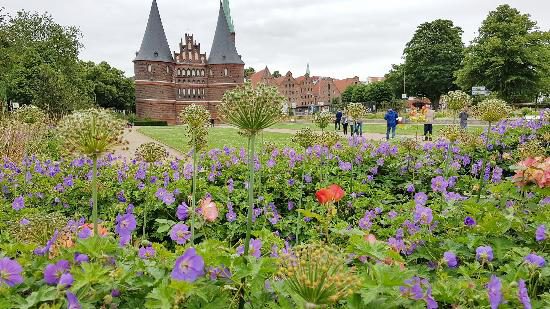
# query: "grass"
402, 129
175, 137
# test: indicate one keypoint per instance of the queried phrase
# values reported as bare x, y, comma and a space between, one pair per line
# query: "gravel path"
135, 139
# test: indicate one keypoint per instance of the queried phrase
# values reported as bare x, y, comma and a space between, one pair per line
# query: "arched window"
211, 73
202, 72
188, 72
179, 72
193, 73
193, 91
168, 69
149, 68
225, 72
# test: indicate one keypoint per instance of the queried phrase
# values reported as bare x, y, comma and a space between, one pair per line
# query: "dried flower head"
492, 110
197, 118
328, 139
356, 111
252, 109
531, 149
409, 144
323, 119
457, 100
452, 133
151, 152
305, 138
318, 274
91, 131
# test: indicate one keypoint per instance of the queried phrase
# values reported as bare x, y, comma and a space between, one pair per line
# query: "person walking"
345, 123
463, 116
359, 127
391, 121
338, 120
428, 126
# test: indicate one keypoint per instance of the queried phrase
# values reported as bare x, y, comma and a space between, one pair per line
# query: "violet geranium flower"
540, 234
72, 301
180, 233
255, 248
469, 221
535, 260
10, 272
484, 253
189, 266
494, 292
450, 259
146, 252
523, 295
53, 272
18, 203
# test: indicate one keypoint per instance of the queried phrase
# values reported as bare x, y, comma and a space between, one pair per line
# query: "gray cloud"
338, 38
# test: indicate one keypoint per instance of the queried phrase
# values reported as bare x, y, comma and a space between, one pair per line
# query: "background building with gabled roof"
167, 82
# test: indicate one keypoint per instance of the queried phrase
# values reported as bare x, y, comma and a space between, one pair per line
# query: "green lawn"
403, 129
175, 137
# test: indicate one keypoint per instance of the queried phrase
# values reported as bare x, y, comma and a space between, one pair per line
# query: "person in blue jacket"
391, 120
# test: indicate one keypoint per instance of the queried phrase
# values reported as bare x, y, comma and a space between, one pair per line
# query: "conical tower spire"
307, 70
154, 46
223, 48
227, 12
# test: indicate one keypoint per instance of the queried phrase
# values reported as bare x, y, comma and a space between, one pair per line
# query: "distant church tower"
166, 83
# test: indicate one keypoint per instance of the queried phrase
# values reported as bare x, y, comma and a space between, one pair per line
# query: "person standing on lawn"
391, 121
338, 120
428, 126
463, 116
345, 123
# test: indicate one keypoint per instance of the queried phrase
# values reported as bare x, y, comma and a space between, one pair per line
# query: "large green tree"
378, 92
432, 56
394, 78
110, 88
510, 56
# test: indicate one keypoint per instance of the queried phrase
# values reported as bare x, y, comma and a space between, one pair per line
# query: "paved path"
135, 139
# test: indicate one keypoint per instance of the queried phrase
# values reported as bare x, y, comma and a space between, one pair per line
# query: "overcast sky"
339, 38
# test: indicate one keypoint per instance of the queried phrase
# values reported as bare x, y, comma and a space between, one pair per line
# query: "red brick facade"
164, 88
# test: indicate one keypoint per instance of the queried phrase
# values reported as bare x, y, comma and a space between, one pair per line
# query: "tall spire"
307, 70
154, 46
227, 12
223, 48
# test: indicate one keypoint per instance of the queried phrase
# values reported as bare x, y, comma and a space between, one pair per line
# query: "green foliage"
375, 92
197, 119
432, 56
150, 123
323, 119
248, 72
492, 110
29, 114
509, 56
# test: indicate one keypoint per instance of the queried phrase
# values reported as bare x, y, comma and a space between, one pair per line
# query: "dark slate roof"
154, 46
223, 48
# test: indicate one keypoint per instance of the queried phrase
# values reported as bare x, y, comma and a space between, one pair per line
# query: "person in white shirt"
428, 126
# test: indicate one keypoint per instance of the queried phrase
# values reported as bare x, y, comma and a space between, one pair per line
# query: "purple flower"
540, 234
189, 266
420, 198
53, 272
469, 221
344, 166
24, 222
290, 205
423, 215
18, 203
255, 248
146, 252
410, 188
85, 233
523, 295
439, 184
115, 293
72, 301
120, 196
494, 292
180, 233
81, 258
307, 178
450, 258
290, 182
230, 187
535, 260
10, 272
392, 214
412, 289
165, 196
126, 224
182, 212
49, 243
66, 280
484, 253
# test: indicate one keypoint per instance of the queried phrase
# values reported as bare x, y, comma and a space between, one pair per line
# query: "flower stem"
251, 142
483, 164
194, 191
94, 193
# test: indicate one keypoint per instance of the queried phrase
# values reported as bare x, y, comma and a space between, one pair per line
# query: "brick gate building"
167, 82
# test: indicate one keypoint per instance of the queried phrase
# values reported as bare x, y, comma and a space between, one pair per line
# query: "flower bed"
402, 228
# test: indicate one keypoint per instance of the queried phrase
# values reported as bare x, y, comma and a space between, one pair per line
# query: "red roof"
258, 76
342, 84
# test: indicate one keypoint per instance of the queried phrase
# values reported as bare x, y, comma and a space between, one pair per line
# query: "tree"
110, 88
394, 78
347, 94
40, 63
509, 56
248, 72
378, 92
432, 56
276, 74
